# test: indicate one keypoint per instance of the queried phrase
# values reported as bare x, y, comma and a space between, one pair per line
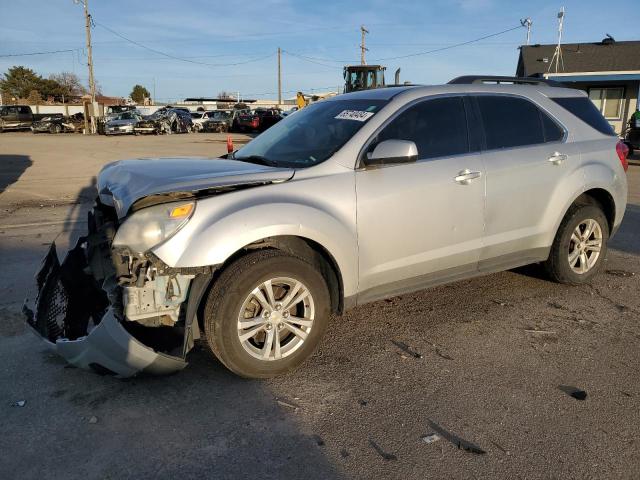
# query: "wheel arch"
301, 247
604, 199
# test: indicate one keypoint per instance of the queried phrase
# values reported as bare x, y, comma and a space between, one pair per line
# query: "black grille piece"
68, 298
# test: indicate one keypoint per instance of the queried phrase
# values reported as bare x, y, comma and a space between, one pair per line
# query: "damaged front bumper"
96, 318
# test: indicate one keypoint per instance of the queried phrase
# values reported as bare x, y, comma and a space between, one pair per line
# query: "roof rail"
469, 79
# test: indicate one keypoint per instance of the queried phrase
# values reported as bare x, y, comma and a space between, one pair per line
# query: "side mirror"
392, 152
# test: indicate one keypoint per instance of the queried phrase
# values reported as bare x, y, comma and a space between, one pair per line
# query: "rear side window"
438, 127
510, 122
585, 110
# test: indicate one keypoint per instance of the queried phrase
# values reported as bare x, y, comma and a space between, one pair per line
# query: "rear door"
526, 158
25, 117
421, 223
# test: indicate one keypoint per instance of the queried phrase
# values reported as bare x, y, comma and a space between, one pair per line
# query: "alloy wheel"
276, 318
585, 246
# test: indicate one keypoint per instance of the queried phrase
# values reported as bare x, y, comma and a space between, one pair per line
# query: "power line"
319, 61
40, 53
310, 59
448, 47
181, 59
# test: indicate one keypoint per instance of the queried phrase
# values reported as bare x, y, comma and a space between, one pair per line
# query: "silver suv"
353, 199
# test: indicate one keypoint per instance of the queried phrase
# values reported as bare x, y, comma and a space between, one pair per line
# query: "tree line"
23, 83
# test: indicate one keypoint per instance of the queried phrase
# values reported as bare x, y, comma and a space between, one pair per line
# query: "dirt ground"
492, 365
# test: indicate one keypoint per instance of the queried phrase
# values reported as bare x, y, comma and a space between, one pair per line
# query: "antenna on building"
527, 23
363, 49
557, 55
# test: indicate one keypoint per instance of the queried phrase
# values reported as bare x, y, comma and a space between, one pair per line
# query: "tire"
55, 129
231, 298
558, 265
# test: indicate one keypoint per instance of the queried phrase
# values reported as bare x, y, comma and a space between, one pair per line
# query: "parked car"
220, 121
59, 124
112, 111
123, 123
353, 199
258, 120
199, 118
19, 117
165, 120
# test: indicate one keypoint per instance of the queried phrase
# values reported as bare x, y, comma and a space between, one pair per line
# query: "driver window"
438, 127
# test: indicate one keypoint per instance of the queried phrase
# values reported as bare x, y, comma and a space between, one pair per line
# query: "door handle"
466, 176
557, 158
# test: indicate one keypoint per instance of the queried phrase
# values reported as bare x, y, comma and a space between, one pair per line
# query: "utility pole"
92, 83
363, 48
527, 23
279, 77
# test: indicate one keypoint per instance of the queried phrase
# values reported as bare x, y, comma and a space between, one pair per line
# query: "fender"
212, 239
595, 176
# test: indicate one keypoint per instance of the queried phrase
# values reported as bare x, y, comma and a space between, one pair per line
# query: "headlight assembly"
151, 226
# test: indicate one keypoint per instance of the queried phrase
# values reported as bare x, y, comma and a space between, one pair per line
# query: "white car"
199, 118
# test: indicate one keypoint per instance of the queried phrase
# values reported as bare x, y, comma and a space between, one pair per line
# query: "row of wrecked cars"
169, 120
163, 121
166, 120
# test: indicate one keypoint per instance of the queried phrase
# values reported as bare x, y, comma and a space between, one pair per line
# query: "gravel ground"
492, 365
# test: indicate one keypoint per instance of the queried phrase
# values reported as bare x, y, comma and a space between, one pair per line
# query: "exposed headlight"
153, 225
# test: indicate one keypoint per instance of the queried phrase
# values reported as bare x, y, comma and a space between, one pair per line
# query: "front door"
421, 223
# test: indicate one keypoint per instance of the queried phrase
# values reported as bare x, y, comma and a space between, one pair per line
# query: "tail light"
623, 152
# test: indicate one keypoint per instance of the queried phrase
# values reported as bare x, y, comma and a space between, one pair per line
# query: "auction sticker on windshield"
357, 115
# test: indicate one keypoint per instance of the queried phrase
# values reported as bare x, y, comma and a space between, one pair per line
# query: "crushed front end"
117, 312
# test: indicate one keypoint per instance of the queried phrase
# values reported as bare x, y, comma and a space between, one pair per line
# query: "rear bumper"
73, 315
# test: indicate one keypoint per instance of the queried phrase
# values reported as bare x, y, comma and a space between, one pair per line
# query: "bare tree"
70, 83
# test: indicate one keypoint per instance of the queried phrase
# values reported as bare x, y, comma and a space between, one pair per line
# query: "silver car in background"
353, 199
122, 123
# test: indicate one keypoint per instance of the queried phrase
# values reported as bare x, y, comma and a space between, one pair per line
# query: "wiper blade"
257, 159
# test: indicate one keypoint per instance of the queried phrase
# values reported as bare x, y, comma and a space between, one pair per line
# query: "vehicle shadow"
11, 169
627, 239
84, 200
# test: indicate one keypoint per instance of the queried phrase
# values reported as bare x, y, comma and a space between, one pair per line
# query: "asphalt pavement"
504, 376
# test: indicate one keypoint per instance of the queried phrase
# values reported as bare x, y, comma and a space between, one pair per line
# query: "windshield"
220, 115
126, 116
312, 135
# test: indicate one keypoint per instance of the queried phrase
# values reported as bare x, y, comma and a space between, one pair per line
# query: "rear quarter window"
586, 111
510, 121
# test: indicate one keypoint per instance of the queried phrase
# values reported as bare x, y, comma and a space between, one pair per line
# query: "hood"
122, 183
119, 123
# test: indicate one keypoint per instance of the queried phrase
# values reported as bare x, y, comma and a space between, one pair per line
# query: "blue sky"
219, 33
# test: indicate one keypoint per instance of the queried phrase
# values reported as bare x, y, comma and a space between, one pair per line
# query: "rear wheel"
580, 246
266, 314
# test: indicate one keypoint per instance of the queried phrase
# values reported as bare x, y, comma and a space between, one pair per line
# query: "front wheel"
580, 246
266, 314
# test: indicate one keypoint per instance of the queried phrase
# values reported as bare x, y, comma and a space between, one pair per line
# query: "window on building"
608, 100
